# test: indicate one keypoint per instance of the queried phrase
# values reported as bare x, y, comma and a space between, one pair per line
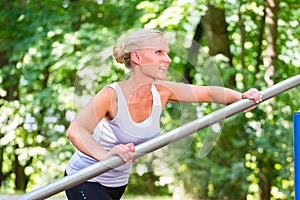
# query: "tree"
55, 55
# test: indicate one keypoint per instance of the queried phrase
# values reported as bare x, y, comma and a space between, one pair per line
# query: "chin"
162, 78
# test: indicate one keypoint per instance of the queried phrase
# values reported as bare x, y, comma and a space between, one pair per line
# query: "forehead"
156, 43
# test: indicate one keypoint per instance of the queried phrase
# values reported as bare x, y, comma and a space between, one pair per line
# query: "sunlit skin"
152, 60
149, 66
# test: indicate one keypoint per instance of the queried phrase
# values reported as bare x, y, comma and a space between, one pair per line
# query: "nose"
167, 59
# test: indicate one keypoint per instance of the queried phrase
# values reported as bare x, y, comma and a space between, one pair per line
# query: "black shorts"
94, 191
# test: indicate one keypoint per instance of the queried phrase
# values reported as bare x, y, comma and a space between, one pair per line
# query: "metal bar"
296, 154
158, 142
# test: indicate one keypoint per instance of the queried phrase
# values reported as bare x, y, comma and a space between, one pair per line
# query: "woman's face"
154, 58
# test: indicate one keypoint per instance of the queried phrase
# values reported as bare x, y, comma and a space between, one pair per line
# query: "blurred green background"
54, 55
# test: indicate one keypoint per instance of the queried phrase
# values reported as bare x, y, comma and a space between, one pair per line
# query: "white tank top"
120, 130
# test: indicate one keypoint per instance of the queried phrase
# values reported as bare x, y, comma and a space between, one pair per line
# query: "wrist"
103, 156
242, 96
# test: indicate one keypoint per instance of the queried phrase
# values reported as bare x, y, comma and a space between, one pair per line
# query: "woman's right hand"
124, 151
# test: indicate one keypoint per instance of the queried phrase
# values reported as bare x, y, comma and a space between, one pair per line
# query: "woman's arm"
180, 92
79, 132
227, 96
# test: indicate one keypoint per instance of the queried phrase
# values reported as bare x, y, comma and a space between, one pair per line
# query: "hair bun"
118, 52
132, 41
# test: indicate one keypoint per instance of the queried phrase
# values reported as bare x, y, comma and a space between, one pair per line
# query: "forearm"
85, 143
223, 95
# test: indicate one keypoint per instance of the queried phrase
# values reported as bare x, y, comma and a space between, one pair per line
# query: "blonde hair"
132, 41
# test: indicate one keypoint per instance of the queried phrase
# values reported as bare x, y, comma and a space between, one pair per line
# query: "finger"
125, 152
257, 97
253, 94
127, 157
131, 147
123, 156
247, 96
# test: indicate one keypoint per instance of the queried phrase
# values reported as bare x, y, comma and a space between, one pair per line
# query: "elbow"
70, 134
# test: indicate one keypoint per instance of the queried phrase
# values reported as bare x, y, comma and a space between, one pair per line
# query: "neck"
137, 85
140, 79
140, 88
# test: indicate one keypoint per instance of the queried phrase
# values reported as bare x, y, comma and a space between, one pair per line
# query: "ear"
135, 57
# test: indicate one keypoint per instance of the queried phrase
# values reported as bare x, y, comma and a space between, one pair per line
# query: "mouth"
163, 68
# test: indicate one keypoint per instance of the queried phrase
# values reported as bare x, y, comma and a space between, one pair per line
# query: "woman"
127, 113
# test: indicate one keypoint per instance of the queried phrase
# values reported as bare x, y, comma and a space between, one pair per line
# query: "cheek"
149, 64
147, 61
147, 68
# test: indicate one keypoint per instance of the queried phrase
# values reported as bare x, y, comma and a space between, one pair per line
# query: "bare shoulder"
106, 90
170, 86
165, 90
180, 92
106, 95
106, 102
170, 83
163, 86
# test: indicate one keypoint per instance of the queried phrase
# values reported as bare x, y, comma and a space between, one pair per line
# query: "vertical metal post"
297, 154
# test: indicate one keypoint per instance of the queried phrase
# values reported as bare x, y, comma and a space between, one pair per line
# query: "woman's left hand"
252, 94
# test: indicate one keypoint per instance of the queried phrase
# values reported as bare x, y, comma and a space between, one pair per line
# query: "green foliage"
54, 55
137, 185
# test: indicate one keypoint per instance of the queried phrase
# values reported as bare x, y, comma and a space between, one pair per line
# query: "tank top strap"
123, 114
155, 96
123, 102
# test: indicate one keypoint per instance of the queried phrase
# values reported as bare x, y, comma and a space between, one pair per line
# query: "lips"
163, 68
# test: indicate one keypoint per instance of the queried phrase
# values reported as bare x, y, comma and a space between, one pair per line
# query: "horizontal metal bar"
158, 142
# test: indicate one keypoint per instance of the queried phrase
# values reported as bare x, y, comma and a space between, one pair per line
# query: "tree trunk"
11, 86
3, 62
260, 42
193, 52
243, 40
1, 166
215, 29
265, 180
21, 179
271, 63
216, 34
243, 35
271, 56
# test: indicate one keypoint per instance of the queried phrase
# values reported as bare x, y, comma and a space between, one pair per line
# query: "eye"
158, 52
